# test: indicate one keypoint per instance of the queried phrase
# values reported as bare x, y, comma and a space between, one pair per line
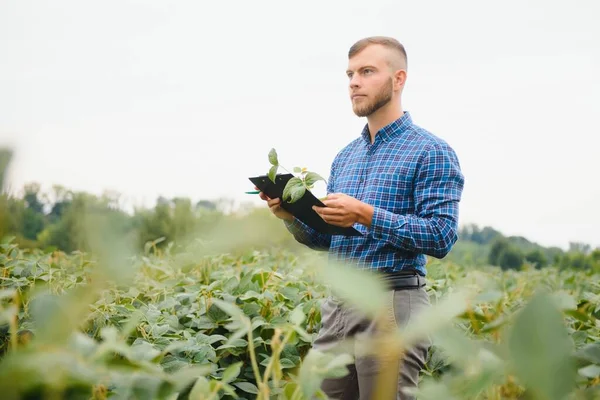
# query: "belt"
403, 280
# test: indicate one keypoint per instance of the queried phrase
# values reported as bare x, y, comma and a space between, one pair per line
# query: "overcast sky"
186, 98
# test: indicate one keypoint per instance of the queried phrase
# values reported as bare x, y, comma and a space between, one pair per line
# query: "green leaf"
540, 349
230, 391
273, 157
144, 351
297, 316
318, 366
340, 361
578, 315
303, 334
489, 296
272, 173
494, 325
361, 288
247, 387
433, 390
286, 363
215, 338
297, 170
294, 190
241, 332
232, 372
289, 390
7, 293
564, 300
257, 322
232, 344
590, 352
436, 317
230, 309
457, 346
200, 390
217, 314
591, 371
311, 178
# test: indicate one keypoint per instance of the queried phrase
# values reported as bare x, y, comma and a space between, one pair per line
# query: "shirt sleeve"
432, 230
308, 236
305, 234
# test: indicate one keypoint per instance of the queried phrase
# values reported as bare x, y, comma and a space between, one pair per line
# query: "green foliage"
124, 312
160, 325
579, 260
469, 253
510, 258
473, 233
62, 226
474, 241
296, 186
537, 258
505, 254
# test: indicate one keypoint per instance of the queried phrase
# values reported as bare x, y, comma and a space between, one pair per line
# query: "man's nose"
354, 81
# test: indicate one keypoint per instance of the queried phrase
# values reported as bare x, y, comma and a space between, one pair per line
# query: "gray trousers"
342, 322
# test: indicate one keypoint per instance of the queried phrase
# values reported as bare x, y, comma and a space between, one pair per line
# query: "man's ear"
400, 78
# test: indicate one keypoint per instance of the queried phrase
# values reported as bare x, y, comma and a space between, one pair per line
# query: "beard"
382, 97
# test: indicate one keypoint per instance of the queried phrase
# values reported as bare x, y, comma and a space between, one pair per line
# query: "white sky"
186, 98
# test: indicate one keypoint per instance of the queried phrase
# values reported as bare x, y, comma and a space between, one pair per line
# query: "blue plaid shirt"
413, 180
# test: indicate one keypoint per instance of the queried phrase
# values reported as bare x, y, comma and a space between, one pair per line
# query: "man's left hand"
343, 210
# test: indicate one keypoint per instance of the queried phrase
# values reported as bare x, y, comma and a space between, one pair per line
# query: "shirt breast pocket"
391, 191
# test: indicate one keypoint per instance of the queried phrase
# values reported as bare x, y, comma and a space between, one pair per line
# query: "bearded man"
400, 186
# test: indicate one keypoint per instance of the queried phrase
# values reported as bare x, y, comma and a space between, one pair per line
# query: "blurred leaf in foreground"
540, 349
359, 288
436, 317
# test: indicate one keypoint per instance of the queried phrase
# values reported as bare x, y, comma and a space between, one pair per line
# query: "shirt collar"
391, 130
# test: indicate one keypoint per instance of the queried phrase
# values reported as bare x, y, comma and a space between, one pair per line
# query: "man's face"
370, 80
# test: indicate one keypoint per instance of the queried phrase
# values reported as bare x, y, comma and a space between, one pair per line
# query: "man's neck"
382, 117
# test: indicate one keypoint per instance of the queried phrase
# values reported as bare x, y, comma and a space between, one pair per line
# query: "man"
400, 186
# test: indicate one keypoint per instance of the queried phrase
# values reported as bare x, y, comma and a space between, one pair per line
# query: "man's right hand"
275, 207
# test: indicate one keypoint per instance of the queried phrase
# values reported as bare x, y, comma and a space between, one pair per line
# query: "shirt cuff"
293, 225
385, 224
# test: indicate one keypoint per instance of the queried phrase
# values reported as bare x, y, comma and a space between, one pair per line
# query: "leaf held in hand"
273, 173
294, 190
273, 157
312, 177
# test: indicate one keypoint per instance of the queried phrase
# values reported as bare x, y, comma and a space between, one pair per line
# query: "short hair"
385, 41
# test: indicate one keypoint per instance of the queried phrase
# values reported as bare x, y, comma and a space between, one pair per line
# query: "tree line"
514, 252
56, 220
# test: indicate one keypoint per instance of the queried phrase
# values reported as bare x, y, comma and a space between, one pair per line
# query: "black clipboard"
302, 208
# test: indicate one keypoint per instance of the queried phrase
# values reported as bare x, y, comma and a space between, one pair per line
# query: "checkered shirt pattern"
413, 180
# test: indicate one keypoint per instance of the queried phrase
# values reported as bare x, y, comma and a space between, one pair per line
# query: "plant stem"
389, 352
286, 170
14, 324
296, 393
215, 392
273, 357
253, 355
